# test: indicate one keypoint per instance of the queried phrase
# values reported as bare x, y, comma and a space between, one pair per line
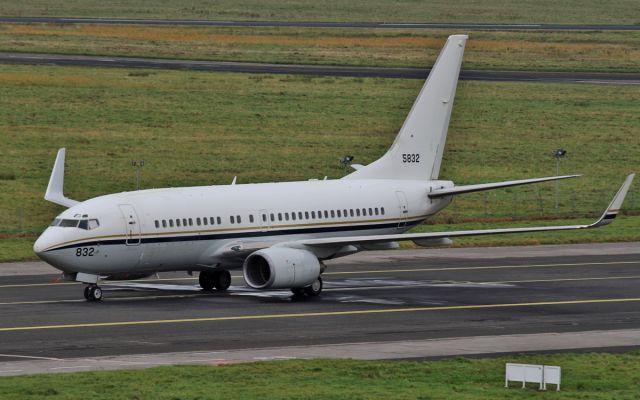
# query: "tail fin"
416, 153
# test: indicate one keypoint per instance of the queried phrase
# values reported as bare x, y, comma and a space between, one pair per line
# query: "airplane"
280, 234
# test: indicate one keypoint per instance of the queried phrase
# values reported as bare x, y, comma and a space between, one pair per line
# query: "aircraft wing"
607, 217
489, 186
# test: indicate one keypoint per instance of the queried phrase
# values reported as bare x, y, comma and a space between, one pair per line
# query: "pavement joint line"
320, 314
350, 272
31, 357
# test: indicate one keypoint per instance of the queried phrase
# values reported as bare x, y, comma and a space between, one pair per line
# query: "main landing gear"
93, 292
218, 279
312, 290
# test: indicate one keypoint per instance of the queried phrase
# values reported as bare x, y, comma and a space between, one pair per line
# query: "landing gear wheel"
93, 293
315, 288
206, 280
222, 280
297, 291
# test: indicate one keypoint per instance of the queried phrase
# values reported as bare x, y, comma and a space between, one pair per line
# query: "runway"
322, 24
319, 70
396, 304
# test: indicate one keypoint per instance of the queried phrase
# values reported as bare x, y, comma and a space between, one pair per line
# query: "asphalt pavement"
319, 70
396, 304
322, 24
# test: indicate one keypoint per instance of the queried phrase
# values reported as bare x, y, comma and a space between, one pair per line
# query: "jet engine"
281, 268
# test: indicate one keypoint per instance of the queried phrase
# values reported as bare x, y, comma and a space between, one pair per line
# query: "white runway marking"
31, 357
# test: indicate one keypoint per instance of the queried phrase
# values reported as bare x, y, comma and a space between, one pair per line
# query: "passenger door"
132, 225
403, 208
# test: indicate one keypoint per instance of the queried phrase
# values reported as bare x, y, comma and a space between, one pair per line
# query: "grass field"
544, 51
494, 11
199, 128
594, 376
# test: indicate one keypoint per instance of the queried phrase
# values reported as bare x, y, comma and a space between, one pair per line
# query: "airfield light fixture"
558, 154
346, 160
137, 164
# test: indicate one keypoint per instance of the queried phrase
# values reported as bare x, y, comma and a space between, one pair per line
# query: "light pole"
558, 154
137, 164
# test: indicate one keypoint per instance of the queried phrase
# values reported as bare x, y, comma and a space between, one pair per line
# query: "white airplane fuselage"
184, 228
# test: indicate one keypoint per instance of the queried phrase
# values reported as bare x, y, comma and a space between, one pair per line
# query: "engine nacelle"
281, 268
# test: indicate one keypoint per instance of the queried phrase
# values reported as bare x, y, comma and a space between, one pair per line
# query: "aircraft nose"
41, 244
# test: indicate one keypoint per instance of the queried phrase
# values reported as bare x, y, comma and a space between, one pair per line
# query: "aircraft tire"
222, 280
315, 288
95, 293
86, 293
298, 291
206, 280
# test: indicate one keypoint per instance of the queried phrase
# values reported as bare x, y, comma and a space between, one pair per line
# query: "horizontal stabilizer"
55, 192
489, 186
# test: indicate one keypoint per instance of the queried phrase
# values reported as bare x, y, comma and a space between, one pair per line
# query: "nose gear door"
132, 225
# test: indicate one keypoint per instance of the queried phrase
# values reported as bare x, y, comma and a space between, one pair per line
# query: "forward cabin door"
403, 208
132, 224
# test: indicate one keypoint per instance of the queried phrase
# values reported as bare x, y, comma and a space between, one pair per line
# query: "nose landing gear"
93, 293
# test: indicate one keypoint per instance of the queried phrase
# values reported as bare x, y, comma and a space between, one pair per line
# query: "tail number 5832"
410, 158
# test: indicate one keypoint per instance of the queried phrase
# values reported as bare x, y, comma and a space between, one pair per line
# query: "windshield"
86, 224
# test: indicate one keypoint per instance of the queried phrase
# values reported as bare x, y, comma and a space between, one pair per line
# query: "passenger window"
184, 222
157, 224
293, 216
251, 218
313, 214
178, 222
264, 217
204, 221
364, 212
198, 221
333, 214
382, 210
306, 215
351, 211
339, 214
190, 221
357, 212
211, 221
239, 219
326, 214
219, 220
233, 220
171, 223
345, 213
164, 223
370, 211
279, 216
273, 217
376, 210
300, 215
319, 214
286, 216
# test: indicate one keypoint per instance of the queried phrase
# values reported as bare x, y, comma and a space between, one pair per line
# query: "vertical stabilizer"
416, 153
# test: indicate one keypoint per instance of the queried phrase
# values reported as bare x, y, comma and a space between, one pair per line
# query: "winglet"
55, 192
614, 207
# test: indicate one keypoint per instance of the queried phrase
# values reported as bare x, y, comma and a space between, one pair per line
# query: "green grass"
591, 376
199, 128
543, 51
493, 11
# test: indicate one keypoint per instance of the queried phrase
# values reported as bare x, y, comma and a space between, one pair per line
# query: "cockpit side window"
88, 224
56, 222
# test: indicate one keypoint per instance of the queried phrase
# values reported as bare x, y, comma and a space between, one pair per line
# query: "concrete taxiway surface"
319, 70
396, 304
321, 24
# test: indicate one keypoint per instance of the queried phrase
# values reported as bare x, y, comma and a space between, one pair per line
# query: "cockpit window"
86, 224
68, 223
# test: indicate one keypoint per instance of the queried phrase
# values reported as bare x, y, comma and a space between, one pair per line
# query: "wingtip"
616, 204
